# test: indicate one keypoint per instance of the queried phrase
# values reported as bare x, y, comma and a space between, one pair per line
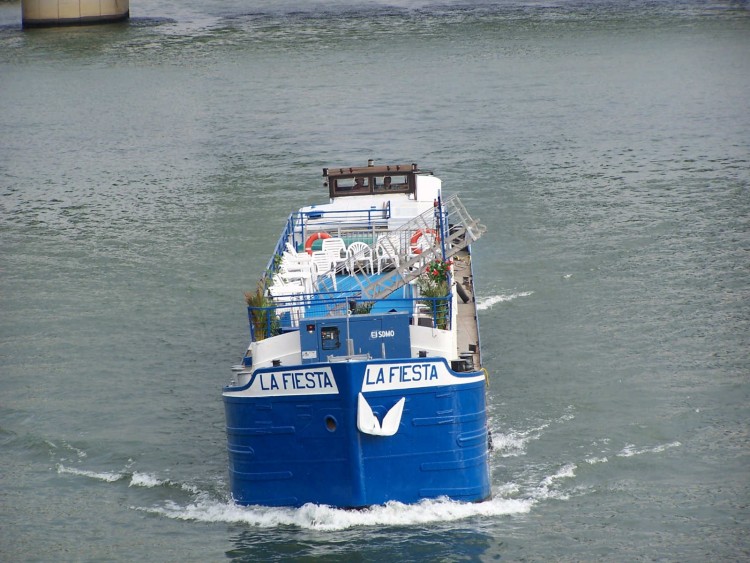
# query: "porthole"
331, 424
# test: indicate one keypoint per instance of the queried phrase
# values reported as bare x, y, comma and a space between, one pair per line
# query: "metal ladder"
460, 229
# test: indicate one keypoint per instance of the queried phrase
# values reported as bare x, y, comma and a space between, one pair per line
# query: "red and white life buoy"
312, 238
415, 246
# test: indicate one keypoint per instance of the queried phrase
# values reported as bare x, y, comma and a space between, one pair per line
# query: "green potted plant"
262, 315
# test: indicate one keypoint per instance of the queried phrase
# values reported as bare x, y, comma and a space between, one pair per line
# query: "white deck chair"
324, 266
297, 268
283, 288
335, 247
359, 253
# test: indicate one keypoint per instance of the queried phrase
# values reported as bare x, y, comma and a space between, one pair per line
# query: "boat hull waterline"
294, 435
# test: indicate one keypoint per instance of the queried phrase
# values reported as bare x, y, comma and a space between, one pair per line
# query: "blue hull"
295, 434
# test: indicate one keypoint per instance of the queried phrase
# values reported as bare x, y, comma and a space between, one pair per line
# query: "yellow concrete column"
72, 12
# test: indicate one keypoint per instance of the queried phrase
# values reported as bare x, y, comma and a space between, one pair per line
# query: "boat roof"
345, 171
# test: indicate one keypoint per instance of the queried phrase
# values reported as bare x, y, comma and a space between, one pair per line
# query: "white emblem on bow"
368, 423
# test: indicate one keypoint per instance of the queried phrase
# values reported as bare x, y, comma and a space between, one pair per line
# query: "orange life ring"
415, 239
312, 238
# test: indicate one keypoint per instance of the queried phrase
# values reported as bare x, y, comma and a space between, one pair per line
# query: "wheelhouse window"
395, 183
371, 180
359, 185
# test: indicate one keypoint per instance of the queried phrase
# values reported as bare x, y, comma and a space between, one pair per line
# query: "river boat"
363, 380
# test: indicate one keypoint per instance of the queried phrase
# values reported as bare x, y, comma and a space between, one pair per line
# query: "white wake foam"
149, 481
631, 450
485, 303
322, 517
547, 488
106, 476
65, 446
137, 479
513, 442
145, 480
509, 499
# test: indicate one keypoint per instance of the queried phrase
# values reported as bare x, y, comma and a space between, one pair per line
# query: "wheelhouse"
371, 180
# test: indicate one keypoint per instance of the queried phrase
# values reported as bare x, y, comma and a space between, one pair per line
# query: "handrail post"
441, 227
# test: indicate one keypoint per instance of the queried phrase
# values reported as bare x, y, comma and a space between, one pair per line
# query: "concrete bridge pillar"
72, 12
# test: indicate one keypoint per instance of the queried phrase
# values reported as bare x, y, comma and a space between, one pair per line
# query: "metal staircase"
457, 230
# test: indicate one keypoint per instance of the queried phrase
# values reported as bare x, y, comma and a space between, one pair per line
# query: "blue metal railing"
286, 312
369, 214
280, 247
301, 219
285, 315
